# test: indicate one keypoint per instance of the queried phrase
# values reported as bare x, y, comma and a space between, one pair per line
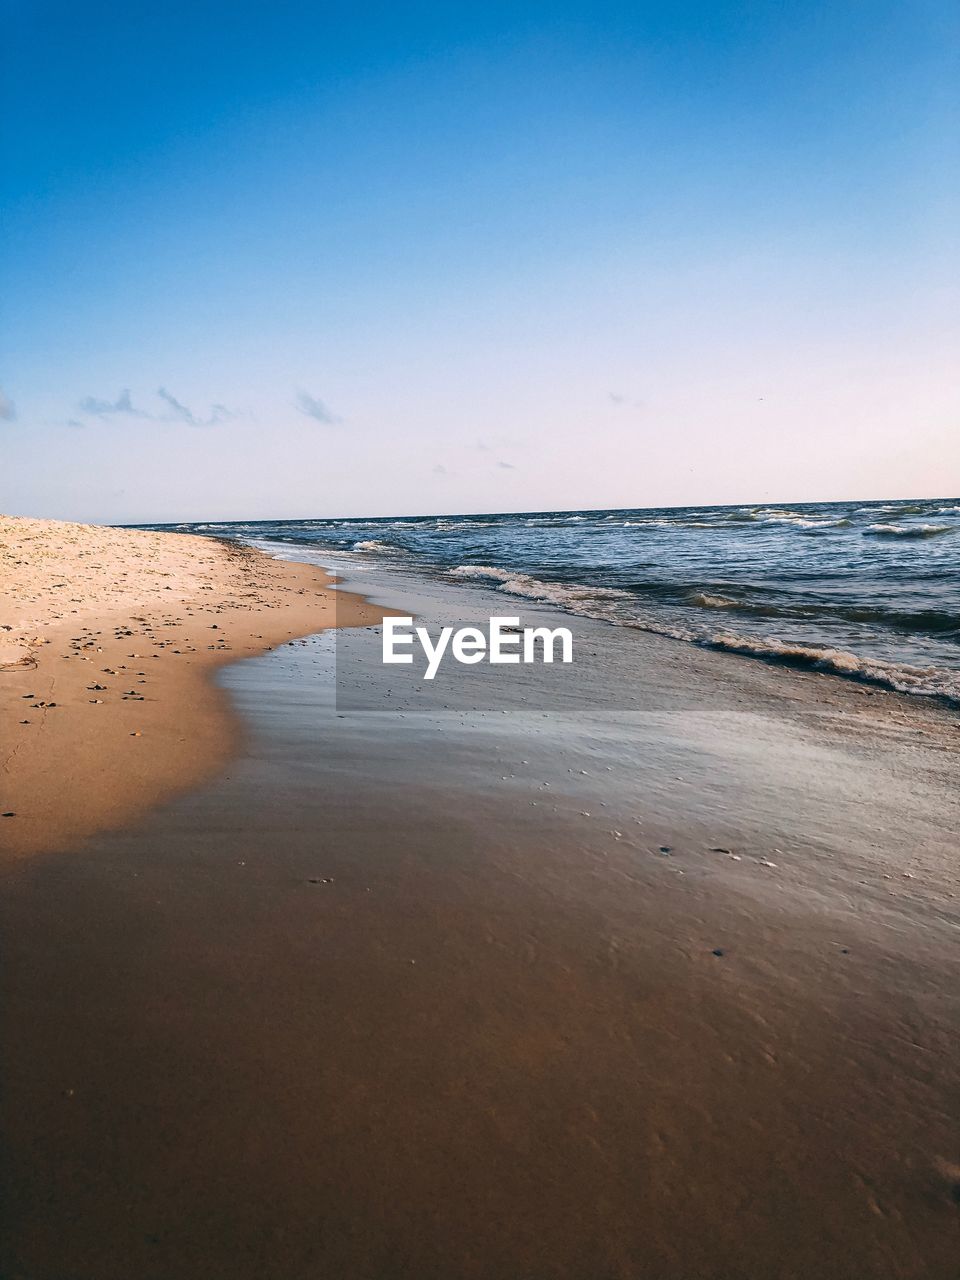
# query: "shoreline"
807, 586
141, 659
111, 640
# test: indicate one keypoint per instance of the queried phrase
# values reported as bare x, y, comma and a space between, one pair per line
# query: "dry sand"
108, 641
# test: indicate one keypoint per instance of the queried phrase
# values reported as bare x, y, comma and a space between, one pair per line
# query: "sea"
867, 590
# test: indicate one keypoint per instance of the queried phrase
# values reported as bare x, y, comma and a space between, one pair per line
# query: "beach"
645, 972
108, 642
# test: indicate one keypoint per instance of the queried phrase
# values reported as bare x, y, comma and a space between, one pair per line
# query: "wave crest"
374, 544
907, 530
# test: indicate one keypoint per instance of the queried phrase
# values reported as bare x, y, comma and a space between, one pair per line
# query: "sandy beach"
109, 639
651, 975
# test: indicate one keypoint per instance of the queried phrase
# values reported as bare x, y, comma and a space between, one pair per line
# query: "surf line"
501, 644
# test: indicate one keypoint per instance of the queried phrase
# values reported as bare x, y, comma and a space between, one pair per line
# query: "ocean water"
869, 590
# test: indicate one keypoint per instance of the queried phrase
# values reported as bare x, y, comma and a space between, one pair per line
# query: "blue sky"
325, 259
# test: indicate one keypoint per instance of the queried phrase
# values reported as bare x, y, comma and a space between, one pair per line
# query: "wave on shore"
595, 603
864, 589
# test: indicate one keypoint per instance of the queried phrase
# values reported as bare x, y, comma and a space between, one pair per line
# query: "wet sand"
108, 639
648, 974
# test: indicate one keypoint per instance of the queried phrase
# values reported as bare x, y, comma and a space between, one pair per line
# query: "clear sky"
306, 259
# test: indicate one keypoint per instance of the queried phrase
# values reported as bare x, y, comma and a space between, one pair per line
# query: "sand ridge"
109, 637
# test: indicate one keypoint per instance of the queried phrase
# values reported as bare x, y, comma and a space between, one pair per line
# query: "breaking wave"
568, 595
618, 606
375, 544
928, 681
907, 530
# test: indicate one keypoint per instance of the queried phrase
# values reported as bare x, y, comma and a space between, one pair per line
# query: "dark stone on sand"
717, 951
9, 814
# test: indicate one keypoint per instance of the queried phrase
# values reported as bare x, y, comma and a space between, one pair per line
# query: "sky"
318, 259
